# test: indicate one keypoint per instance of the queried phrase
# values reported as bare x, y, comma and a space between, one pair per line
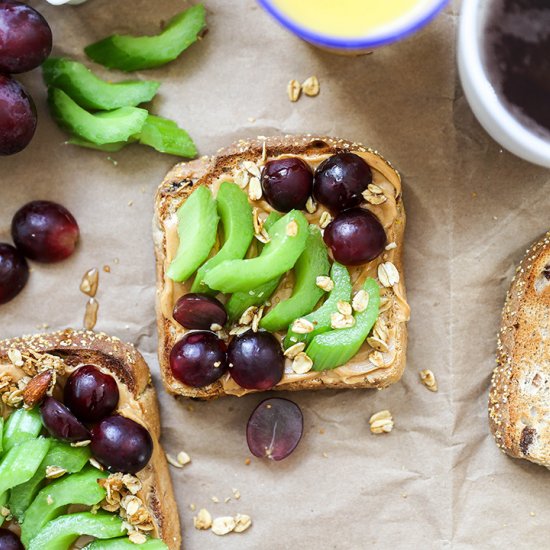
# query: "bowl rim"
482, 96
405, 29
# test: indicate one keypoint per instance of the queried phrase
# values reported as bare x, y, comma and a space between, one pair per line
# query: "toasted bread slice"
138, 401
247, 157
519, 400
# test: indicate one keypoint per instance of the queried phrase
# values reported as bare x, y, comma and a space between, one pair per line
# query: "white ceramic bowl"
493, 115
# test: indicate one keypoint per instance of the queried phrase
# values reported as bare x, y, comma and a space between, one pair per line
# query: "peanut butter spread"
395, 309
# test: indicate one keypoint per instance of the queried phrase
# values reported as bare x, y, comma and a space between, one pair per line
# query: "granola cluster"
32, 363
122, 497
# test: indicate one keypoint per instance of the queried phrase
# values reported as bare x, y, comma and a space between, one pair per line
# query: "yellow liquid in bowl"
345, 18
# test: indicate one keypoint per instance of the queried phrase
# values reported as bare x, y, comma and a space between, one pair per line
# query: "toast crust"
185, 177
137, 401
519, 399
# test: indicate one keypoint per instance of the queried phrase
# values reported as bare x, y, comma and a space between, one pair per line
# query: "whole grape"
17, 116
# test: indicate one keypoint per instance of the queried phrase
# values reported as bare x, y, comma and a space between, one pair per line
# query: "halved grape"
274, 428
61, 422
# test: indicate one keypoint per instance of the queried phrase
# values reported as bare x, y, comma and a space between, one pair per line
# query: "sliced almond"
248, 315
242, 523
262, 236
377, 344
339, 320
294, 350
183, 458
311, 205
53, 472
302, 326
344, 307
223, 525
242, 178
293, 90
391, 246
37, 388
255, 189
325, 283
252, 168
360, 301
311, 86
388, 274
381, 422
427, 378
302, 363
325, 219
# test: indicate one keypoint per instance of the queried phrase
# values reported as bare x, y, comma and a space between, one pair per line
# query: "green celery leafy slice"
90, 91
100, 128
133, 53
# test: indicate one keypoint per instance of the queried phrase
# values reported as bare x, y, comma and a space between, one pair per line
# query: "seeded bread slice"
185, 177
519, 400
138, 401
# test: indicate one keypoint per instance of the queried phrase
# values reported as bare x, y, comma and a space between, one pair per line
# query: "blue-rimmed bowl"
401, 27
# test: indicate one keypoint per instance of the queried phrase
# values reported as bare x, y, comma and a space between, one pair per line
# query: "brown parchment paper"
438, 480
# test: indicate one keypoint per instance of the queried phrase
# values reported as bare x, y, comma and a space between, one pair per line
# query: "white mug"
489, 109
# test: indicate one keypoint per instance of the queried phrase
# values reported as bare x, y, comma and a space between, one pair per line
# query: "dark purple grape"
121, 445
274, 428
25, 38
91, 394
287, 183
17, 116
61, 422
256, 360
198, 359
9, 540
340, 180
45, 231
199, 311
355, 237
14, 272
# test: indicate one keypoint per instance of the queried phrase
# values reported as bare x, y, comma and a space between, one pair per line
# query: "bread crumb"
294, 90
247, 462
203, 520
242, 523
311, 86
427, 378
223, 525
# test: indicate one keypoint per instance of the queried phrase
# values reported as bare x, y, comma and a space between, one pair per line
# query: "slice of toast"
519, 400
21, 357
242, 162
